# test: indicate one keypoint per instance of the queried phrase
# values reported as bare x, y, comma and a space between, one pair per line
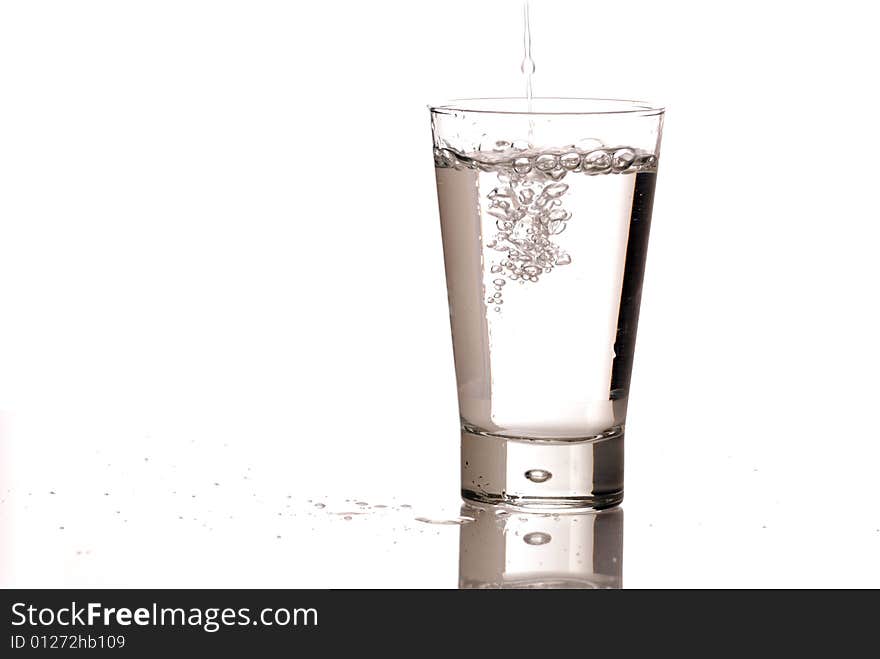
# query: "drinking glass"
545, 209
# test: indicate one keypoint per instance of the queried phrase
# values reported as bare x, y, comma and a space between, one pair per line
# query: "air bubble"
645, 161
537, 538
495, 269
557, 227
538, 475
499, 282
496, 295
520, 145
570, 160
545, 162
502, 145
596, 162
563, 259
319, 506
554, 190
491, 243
522, 165
497, 309
622, 159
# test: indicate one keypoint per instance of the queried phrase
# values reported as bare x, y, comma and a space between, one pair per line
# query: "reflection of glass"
545, 210
510, 549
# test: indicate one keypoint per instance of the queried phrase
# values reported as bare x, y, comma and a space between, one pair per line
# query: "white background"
220, 262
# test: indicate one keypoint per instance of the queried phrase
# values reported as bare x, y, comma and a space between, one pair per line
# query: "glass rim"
495, 105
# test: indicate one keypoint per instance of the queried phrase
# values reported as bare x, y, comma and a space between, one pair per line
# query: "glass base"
531, 474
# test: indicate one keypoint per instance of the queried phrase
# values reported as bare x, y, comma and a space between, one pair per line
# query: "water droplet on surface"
458, 521
538, 475
537, 538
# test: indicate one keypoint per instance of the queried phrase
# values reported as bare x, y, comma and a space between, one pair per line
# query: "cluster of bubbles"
527, 204
587, 156
528, 213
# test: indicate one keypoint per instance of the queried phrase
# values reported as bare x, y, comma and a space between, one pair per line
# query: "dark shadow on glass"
504, 548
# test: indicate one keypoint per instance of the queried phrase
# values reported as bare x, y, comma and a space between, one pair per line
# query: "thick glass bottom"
531, 474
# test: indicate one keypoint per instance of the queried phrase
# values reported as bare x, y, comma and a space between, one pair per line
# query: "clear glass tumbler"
545, 209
